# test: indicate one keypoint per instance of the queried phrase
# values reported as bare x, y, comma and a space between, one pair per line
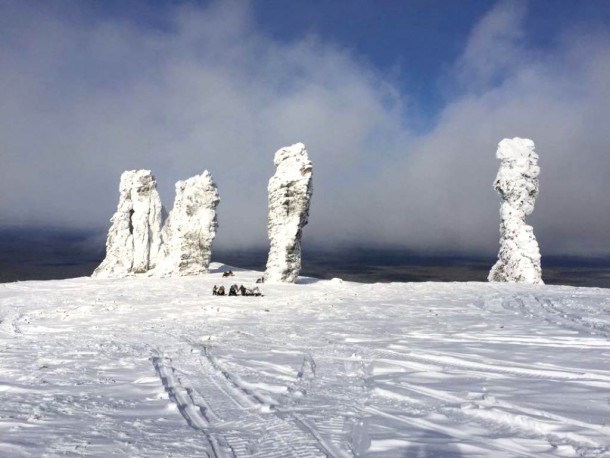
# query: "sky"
401, 106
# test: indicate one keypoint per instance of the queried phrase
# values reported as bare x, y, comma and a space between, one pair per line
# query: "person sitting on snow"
215, 291
221, 291
233, 290
249, 291
256, 291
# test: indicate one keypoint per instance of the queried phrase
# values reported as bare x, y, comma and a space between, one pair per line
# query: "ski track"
159, 367
557, 313
193, 413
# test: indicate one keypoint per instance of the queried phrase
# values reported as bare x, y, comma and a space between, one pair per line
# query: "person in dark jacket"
221, 291
233, 290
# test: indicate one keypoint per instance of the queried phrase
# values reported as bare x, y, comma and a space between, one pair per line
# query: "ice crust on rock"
517, 184
134, 237
138, 242
190, 228
290, 191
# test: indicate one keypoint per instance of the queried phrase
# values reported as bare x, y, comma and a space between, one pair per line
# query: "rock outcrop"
290, 191
138, 242
517, 184
134, 237
190, 228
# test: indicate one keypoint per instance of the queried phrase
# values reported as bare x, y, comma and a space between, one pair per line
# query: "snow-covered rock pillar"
517, 184
290, 191
134, 237
190, 228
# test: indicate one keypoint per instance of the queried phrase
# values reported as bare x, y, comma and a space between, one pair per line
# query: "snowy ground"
159, 367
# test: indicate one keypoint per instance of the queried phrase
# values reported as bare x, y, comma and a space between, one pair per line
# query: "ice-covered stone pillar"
190, 228
517, 184
290, 191
134, 237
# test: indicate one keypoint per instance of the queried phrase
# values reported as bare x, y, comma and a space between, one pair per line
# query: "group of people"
235, 290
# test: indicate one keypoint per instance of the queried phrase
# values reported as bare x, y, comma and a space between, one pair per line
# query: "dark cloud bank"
84, 99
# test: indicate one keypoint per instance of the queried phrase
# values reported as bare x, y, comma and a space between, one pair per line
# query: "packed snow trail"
160, 367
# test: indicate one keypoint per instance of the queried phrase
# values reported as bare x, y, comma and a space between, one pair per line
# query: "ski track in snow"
159, 367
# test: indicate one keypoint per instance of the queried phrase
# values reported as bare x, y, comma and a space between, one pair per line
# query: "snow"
517, 184
144, 366
134, 237
290, 191
139, 242
190, 228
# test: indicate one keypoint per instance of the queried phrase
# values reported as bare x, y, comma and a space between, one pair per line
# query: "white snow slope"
160, 367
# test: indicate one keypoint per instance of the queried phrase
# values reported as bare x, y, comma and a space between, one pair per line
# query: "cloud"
87, 96
88, 100
493, 47
559, 99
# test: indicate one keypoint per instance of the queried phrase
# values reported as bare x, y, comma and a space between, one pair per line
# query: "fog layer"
85, 97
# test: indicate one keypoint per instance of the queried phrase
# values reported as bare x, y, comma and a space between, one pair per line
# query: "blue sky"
414, 43
401, 106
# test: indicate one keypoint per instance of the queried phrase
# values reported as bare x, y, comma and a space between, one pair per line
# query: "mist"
85, 97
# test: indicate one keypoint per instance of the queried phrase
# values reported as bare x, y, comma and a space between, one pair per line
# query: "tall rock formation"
517, 184
290, 191
190, 228
134, 237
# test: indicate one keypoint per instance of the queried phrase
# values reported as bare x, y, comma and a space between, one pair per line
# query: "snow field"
160, 367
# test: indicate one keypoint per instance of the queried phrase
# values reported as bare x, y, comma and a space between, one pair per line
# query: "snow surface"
290, 190
517, 184
159, 367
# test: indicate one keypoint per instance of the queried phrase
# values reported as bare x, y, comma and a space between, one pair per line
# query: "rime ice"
137, 243
517, 184
190, 228
134, 239
290, 191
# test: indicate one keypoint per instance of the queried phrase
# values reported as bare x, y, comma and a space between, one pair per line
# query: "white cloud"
561, 101
210, 92
492, 48
86, 99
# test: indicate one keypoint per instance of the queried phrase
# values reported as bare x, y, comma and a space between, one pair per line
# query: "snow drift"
517, 184
290, 191
160, 367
